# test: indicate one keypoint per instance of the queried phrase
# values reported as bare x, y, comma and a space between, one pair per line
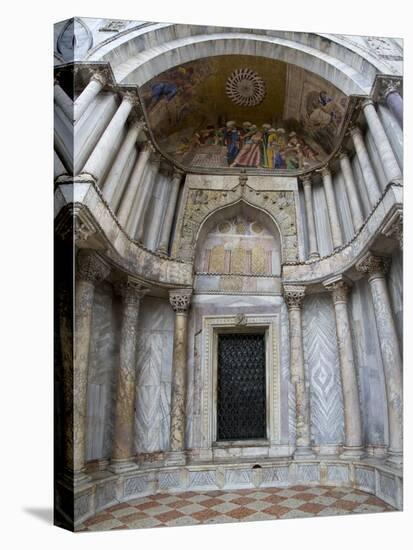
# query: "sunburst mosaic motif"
245, 87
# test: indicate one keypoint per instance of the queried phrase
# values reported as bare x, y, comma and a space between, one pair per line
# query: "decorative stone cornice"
131, 291
373, 265
180, 299
293, 296
339, 288
90, 267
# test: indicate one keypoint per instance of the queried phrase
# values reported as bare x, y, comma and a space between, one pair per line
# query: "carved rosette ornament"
180, 300
294, 296
245, 87
374, 266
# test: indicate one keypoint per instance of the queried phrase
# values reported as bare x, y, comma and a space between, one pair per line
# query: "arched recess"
239, 238
202, 206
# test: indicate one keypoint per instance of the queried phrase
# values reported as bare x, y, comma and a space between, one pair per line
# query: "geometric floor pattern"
191, 508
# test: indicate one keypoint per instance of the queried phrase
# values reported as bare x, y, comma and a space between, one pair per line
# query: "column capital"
90, 267
366, 102
342, 154
131, 291
306, 179
131, 97
99, 77
339, 287
177, 173
180, 299
354, 129
373, 265
389, 86
324, 170
294, 296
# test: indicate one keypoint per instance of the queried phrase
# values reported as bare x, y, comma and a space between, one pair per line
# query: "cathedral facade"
228, 269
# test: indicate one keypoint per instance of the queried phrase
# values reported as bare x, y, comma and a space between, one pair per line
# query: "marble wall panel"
369, 365
105, 494
307, 472
154, 366
365, 479
103, 361
338, 473
323, 370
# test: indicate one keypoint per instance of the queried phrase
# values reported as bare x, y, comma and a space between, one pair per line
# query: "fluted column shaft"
137, 226
63, 101
332, 208
103, 152
180, 301
170, 212
90, 270
376, 268
373, 189
110, 187
95, 85
134, 183
294, 296
351, 399
388, 159
124, 432
312, 235
355, 208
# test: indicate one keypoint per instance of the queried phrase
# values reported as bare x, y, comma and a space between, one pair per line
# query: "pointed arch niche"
238, 250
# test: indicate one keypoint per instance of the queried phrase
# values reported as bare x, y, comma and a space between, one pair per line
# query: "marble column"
170, 212
137, 227
123, 438
102, 154
351, 190
90, 270
394, 100
373, 189
294, 296
96, 84
332, 207
376, 268
388, 159
110, 187
135, 181
312, 235
63, 101
180, 301
353, 445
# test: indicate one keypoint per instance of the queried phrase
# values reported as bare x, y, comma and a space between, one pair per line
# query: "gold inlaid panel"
258, 260
217, 259
238, 260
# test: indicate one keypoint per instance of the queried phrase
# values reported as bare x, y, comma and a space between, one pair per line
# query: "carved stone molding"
293, 296
374, 265
180, 299
90, 267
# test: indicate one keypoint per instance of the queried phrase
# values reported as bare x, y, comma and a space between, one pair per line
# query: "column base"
120, 465
314, 256
176, 458
78, 478
162, 251
304, 452
352, 453
394, 458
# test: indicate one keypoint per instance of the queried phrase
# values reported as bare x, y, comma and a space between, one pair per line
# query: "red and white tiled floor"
192, 508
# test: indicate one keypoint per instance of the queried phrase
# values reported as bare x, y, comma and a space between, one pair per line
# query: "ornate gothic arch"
199, 204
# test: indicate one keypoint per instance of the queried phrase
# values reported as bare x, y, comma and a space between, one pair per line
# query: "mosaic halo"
245, 87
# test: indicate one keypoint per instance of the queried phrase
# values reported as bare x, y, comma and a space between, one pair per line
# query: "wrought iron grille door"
241, 402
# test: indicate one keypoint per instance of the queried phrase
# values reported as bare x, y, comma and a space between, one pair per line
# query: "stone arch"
199, 205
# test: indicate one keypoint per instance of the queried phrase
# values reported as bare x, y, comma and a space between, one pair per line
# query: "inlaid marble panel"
323, 370
154, 365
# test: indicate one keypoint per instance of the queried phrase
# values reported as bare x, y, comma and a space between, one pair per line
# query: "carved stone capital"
394, 228
99, 77
325, 171
131, 291
293, 296
90, 267
339, 288
374, 265
306, 179
131, 97
366, 102
180, 299
75, 223
177, 174
354, 130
